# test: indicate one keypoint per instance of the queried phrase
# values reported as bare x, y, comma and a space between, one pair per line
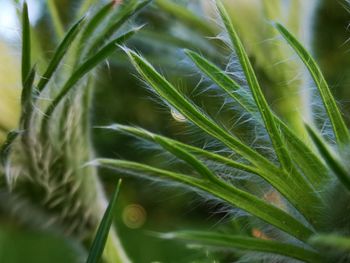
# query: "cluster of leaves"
43, 158
42, 161
305, 174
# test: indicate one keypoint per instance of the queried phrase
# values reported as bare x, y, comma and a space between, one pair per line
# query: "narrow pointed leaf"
308, 161
335, 165
259, 98
233, 195
310, 196
26, 45
341, 132
310, 164
27, 90
225, 82
83, 69
141, 133
27, 100
245, 243
99, 242
200, 167
127, 11
59, 54
184, 155
185, 107
95, 21
6, 146
285, 184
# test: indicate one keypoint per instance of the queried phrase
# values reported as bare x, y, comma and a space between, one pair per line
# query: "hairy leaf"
245, 243
278, 178
95, 21
264, 109
141, 133
306, 159
230, 194
335, 165
341, 132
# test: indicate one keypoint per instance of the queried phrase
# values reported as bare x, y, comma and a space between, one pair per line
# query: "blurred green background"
144, 207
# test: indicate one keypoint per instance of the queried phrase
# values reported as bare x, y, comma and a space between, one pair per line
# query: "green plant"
99, 243
42, 161
309, 181
272, 59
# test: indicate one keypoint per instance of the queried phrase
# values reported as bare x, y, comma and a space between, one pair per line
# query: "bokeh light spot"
134, 216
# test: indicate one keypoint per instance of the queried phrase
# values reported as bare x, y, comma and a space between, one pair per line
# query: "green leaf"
307, 198
231, 195
245, 243
184, 155
284, 182
80, 72
126, 12
304, 157
99, 242
225, 82
6, 146
27, 90
202, 169
27, 100
341, 132
28, 73
331, 240
26, 47
95, 21
336, 166
185, 107
307, 160
270, 124
90, 29
141, 133
269, 118
59, 54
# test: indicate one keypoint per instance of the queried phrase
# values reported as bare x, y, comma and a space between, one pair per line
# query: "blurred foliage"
10, 90
119, 97
23, 245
